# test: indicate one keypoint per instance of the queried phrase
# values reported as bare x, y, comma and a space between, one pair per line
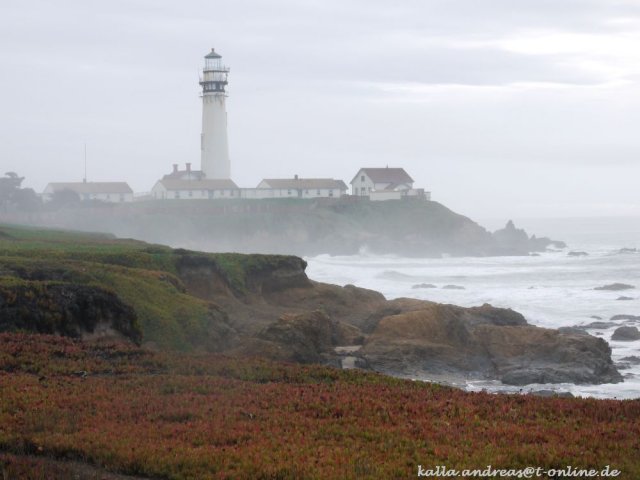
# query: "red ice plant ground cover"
194, 416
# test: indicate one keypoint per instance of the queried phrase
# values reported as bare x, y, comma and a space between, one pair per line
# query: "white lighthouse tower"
215, 150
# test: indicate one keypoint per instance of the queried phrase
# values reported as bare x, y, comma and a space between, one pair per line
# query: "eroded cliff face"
77, 311
239, 276
202, 277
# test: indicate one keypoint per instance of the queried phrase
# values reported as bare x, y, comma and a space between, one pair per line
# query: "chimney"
188, 168
295, 177
175, 168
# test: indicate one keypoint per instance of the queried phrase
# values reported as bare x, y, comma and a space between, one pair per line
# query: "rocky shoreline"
286, 316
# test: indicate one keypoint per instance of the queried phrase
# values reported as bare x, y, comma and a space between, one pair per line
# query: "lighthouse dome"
212, 54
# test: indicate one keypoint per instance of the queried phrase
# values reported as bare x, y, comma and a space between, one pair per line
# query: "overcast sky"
501, 108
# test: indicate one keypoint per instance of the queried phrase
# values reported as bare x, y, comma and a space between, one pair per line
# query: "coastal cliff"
265, 305
345, 226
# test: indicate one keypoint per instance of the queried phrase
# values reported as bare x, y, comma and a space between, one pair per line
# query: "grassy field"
130, 411
142, 275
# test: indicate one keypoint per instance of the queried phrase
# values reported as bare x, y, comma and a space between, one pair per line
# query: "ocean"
551, 290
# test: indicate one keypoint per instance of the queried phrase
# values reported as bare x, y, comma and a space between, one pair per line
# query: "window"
318, 192
362, 178
331, 193
191, 193
363, 191
176, 194
288, 192
122, 198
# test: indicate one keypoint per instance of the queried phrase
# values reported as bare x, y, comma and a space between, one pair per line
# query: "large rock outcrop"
305, 338
616, 287
515, 241
485, 343
626, 334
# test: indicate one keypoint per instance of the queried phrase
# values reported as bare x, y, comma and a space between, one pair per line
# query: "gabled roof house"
369, 180
297, 187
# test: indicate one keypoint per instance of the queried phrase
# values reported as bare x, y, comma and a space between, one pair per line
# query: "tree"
9, 185
12, 197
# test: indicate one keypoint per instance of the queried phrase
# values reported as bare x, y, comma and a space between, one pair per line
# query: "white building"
170, 189
192, 184
113, 192
297, 188
213, 142
385, 184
